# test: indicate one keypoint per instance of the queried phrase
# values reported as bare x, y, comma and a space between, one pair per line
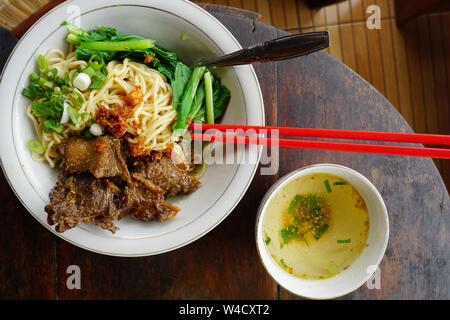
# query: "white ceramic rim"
280, 184
129, 247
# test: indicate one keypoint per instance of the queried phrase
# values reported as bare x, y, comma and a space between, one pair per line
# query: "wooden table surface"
313, 91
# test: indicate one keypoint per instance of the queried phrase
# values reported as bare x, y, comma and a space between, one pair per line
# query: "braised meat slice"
144, 200
164, 173
83, 199
101, 156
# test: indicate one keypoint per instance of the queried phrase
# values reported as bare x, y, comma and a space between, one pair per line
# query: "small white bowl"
364, 266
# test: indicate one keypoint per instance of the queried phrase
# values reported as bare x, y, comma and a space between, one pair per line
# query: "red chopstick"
431, 139
334, 146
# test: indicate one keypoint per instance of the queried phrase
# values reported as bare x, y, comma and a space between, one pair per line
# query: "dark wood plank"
404, 89
24, 26
414, 67
446, 115
407, 10
27, 252
388, 58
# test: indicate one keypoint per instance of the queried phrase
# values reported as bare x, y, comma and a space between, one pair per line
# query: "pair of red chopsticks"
416, 138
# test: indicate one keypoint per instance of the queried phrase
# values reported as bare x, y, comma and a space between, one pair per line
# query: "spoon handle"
287, 47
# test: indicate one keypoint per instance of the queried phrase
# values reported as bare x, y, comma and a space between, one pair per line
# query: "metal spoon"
287, 47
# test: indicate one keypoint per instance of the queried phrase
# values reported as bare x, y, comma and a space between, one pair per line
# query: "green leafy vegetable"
52, 125
181, 79
293, 206
129, 45
197, 104
309, 214
97, 81
36, 146
221, 97
74, 116
288, 233
267, 240
188, 98
96, 62
41, 109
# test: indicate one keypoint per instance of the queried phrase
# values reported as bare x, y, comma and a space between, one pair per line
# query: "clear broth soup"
316, 226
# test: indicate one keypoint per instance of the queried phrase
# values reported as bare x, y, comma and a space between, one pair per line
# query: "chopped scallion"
327, 186
36, 146
321, 231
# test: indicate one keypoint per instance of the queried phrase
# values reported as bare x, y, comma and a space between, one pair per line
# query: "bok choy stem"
138, 44
209, 98
188, 97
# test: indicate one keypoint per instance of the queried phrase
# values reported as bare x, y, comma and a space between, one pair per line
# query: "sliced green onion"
72, 39
52, 125
209, 98
345, 241
42, 64
96, 62
74, 116
267, 240
321, 231
34, 77
340, 183
46, 83
90, 72
293, 206
333, 268
288, 233
36, 146
327, 186
283, 264
41, 109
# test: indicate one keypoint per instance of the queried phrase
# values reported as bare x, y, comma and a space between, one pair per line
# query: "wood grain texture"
408, 10
313, 91
27, 252
361, 50
389, 62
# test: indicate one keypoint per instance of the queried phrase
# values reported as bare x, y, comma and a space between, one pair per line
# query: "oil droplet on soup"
316, 226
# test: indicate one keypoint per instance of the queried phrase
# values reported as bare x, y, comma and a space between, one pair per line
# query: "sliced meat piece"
79, 155
164, 173
101, 156
82, 199
144, 200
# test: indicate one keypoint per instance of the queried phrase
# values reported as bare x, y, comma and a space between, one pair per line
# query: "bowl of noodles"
100, 100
